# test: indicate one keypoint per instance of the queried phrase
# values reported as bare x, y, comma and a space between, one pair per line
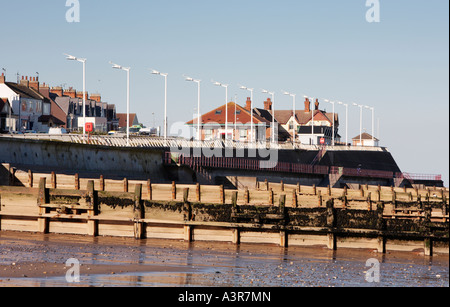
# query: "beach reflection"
181, 264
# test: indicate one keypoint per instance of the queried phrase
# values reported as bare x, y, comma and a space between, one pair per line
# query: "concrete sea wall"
69, 157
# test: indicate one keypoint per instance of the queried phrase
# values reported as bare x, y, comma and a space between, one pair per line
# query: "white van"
54, 131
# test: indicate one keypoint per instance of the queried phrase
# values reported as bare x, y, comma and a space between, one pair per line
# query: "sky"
322, 48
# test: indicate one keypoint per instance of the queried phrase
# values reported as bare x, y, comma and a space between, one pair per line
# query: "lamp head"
115, 66
70, 57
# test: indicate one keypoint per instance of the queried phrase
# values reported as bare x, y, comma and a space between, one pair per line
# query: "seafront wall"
145, 160
70, 157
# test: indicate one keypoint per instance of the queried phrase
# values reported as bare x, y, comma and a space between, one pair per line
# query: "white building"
366, 140
27, 103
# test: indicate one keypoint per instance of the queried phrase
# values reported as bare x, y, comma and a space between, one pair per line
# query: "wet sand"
39, 260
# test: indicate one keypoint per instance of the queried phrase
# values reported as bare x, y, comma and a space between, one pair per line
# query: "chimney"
248, 104
57, 90
317, 104
307, 105
2, 78
24, 82
80, 95
70, 93
45, 90
268, 105
96, 97
34, 84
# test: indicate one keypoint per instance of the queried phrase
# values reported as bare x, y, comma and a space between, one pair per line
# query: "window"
208, 134
218, 112
238, 112
243, 134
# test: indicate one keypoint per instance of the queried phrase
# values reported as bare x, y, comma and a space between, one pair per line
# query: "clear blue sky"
322, 48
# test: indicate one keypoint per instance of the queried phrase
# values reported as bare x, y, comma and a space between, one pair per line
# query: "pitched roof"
25, 92
123, 119
64, 103
364, 136
303, 117
218, 116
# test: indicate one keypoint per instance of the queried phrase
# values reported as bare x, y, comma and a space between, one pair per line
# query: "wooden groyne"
367, 217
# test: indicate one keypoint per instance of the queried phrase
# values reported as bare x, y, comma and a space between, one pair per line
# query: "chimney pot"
268, 105
307, 105
248, 105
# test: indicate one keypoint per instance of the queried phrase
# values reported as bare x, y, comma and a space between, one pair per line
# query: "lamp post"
273, 113
189, 79
334, 119
252, 125
293, 110
73, 58
346, 120
373, 122
155, 72
127, 69
360, 121
226, 105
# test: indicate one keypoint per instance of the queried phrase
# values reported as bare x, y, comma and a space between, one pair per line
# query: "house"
301, 124
27, 103
70, 102
286, 124
367, 140
122, 117
214, 124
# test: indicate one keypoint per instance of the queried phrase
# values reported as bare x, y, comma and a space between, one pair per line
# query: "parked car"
55, 131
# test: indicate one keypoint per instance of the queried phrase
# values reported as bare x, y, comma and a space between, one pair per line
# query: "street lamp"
346, 120
251, 90
293, 110
312, 120
155, 72
373, 122
360, 122
73, 58
127, 69
334, 118
189, 79
273, 112
226, 105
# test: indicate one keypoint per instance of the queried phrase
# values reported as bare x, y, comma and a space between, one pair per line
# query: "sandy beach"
28, 259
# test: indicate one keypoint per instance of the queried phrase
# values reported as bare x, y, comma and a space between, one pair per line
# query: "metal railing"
244, 164
157, 142
414, 177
